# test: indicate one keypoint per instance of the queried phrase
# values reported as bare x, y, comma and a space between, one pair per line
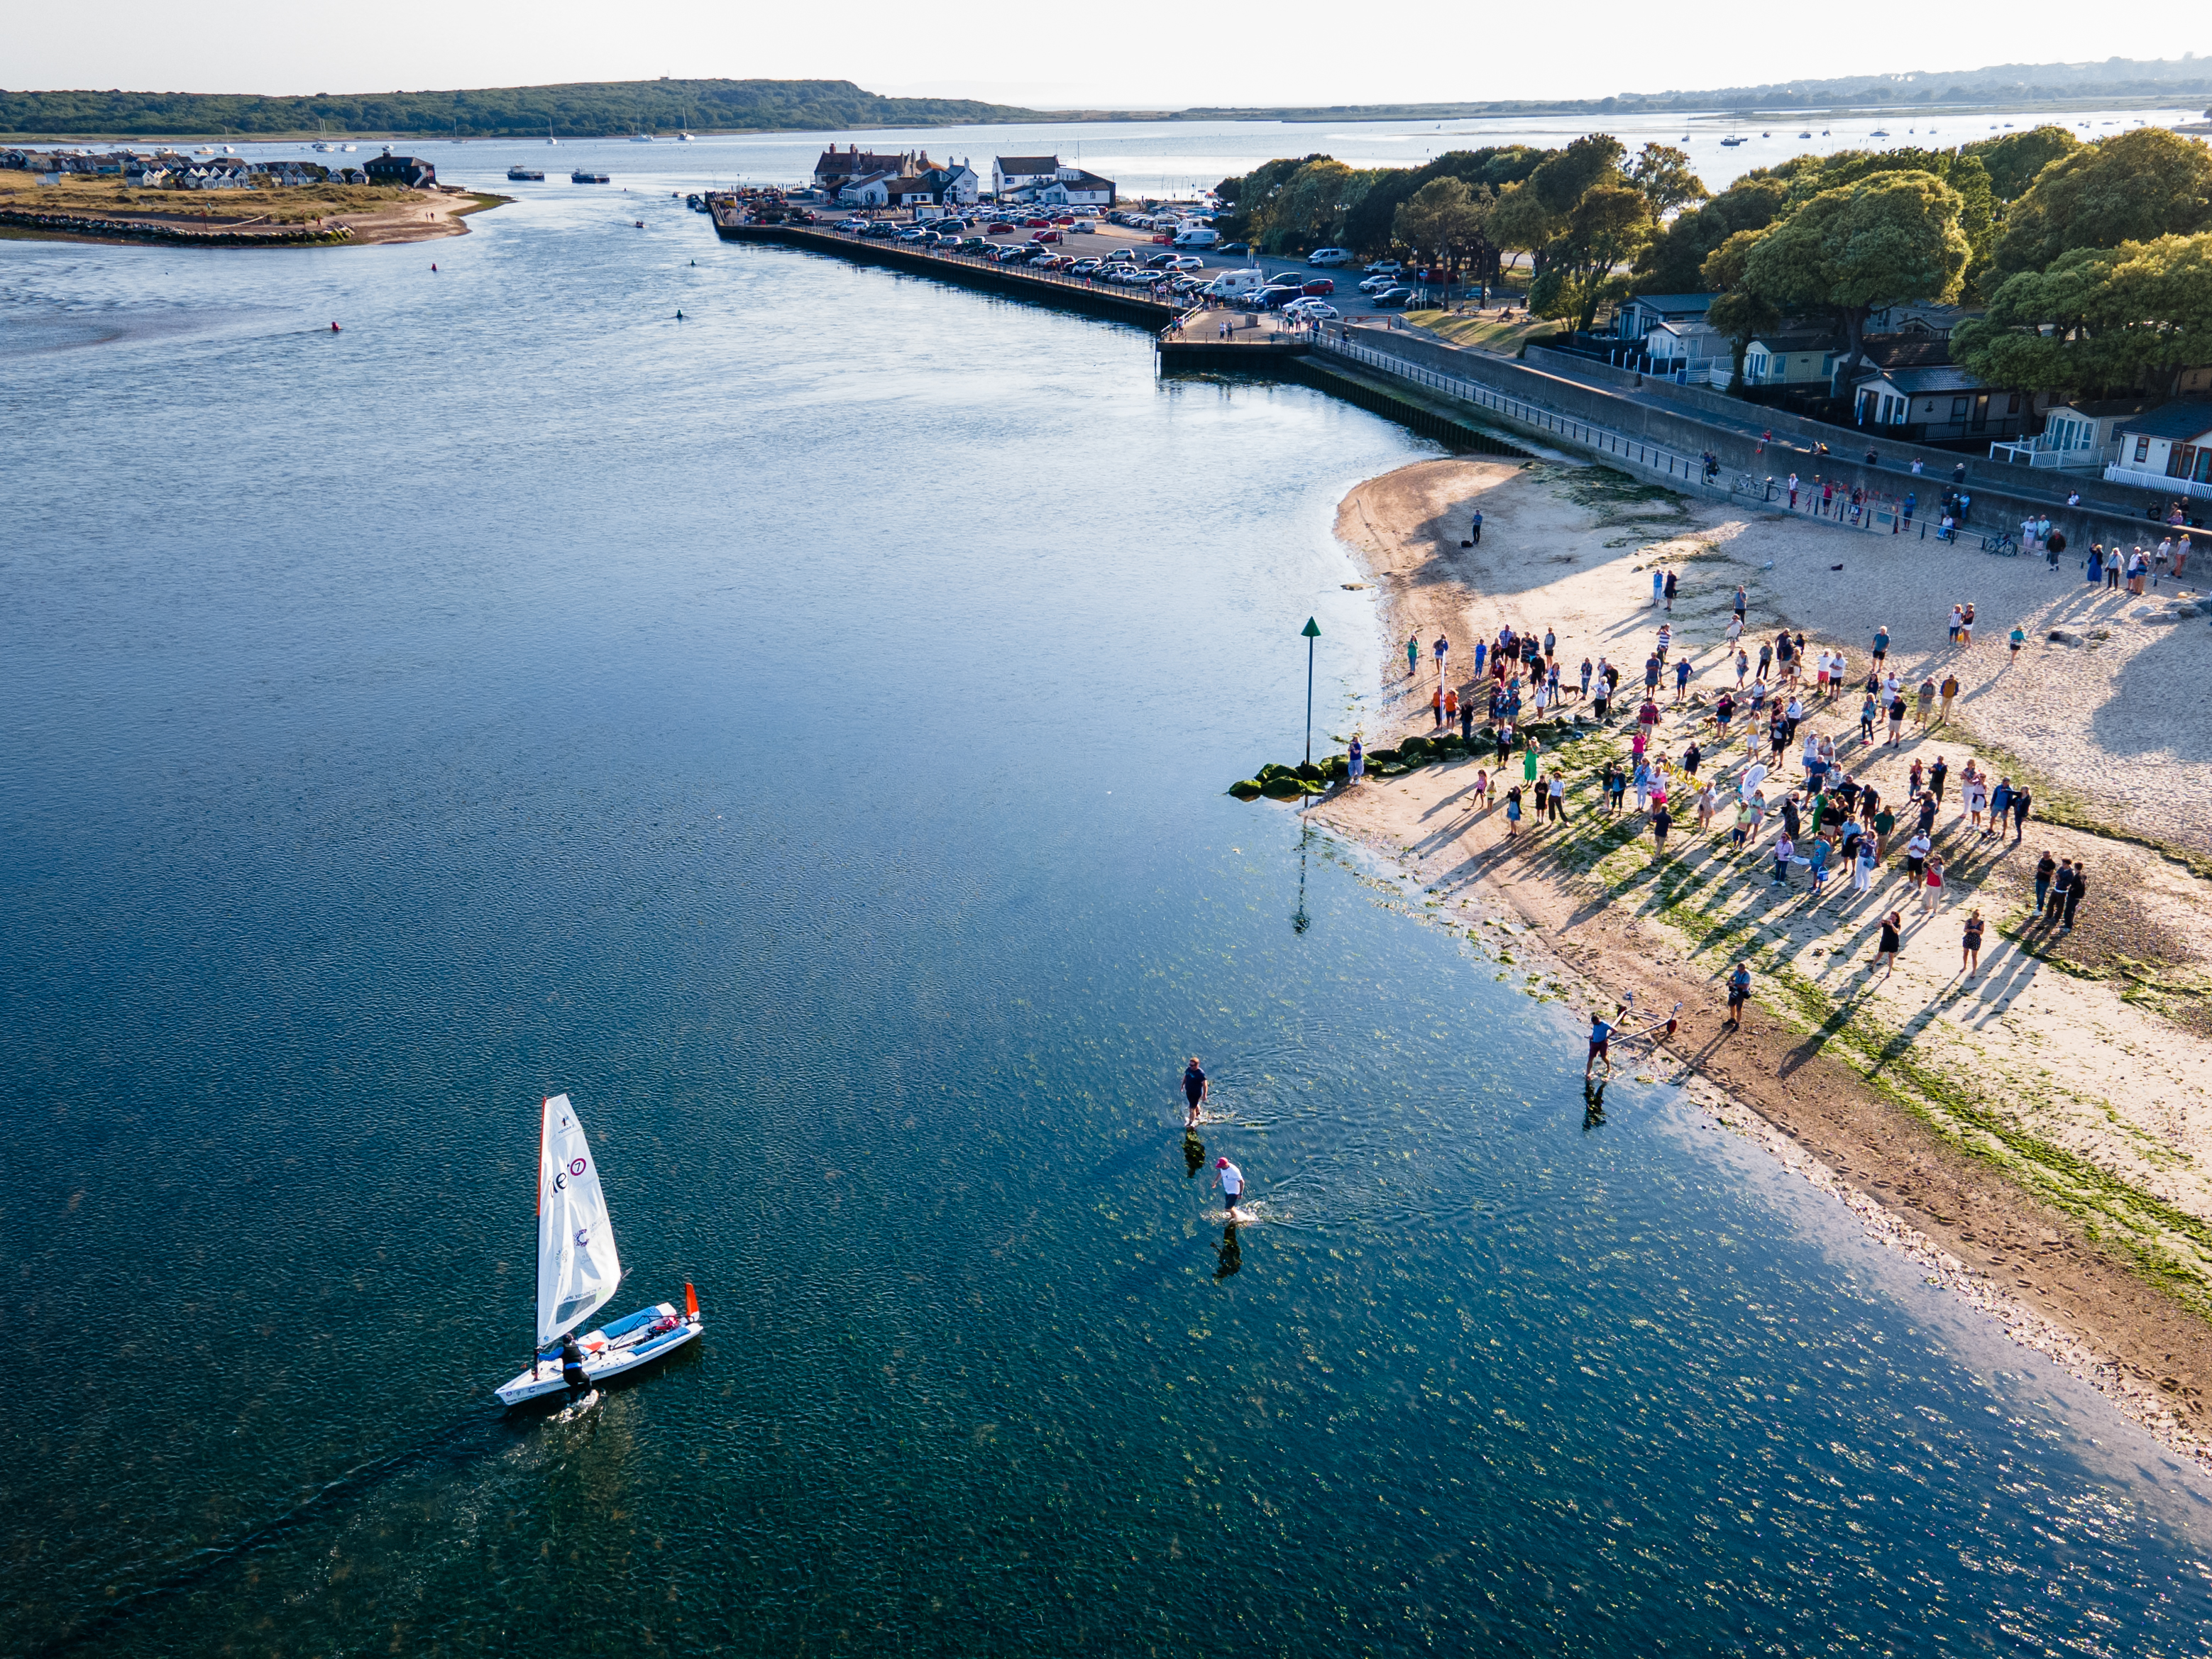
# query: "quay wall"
1046, 287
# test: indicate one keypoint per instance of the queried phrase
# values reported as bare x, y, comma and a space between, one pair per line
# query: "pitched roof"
1941, 377
1907, 351
2184, 420
1687, 304
1014, 165
1803, 339
1077, 178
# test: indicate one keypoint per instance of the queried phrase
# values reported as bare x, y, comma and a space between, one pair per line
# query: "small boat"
577, 1271
586, 176
1879, 132
534, 174
1731, 142
685, 138
350, 149
1766, 135
1807, 133
641, 137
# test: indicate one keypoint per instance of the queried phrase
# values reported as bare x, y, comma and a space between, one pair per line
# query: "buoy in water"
334, 328
679, 316
434, 264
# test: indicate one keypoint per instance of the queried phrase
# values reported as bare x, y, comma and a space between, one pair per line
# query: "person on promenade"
1884, 951
2074, 897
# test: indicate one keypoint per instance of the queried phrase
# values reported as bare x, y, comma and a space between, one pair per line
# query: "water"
798, 734
1163, 158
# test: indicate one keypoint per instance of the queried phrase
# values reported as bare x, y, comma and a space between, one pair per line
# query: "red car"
1065, 220
998, 228
1044, 236
1035, 224
1317, 285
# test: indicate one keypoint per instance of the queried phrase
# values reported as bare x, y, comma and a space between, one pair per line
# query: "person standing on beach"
1195, 1087
1466, 720
1356, 762
1443, 649
1970, 957
1413, 655
1937, 775
1931, 887
1475, 530
2019, 638
1885, 954
1658, 586
1742, 599
2045, 867
2074, 897
1881, 646
1949, 689
2021, 800
1670, 589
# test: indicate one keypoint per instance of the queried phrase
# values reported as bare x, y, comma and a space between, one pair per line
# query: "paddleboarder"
1195, 1086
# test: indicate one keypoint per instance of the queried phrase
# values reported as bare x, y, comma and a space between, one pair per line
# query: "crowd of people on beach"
1745, 764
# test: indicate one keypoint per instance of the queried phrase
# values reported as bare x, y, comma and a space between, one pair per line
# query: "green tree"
1672, 261
1662, 173
2100, 320
1893, 237
1740, 314
1250, 195
2140, 185
1444, 217
1565, 177
1521, 223
2015, 158
1309, 208
1606, 229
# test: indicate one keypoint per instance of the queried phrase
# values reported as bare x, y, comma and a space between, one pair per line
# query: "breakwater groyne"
967, 269
143, 230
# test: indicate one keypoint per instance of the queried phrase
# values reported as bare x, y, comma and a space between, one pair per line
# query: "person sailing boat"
572, 1371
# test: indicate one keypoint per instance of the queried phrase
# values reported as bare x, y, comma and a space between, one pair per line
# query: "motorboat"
1731, 142
685, 138
641, 137
535, 175
586, 176
578, 1272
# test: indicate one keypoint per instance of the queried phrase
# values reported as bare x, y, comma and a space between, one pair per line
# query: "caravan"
1235, 285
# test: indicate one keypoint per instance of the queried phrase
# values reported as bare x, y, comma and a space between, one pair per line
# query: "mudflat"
2042, 1125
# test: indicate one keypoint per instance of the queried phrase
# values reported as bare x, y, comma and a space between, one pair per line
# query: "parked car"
1012, 251
1374, 285
1044, 236
973, 245
998, 227
1159, 261
1188, 262
1329, 256
1234, 247
1274, 299
1035, 224
1317, 285
1394, 296
1084, 225
854, 227
880, 231
1384, 268
1121, 256
1065, 221
1312, 311
1086, 265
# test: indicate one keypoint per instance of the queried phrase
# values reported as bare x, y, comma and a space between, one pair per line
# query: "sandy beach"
2038, 1132
418, 217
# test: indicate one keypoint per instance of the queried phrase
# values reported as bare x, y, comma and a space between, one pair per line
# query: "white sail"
577, 1268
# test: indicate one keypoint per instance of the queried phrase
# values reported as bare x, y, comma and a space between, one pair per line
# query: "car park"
1329, 256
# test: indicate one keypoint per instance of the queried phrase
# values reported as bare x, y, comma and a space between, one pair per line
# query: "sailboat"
578, 1272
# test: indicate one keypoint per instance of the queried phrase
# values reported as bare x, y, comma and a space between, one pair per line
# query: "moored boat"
536, 173
586, 176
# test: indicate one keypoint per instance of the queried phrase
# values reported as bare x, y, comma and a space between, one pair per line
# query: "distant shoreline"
383, 227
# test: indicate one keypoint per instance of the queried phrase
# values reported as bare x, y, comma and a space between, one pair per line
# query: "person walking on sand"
1739, 991
1670, 589
1881, 646
1413, 655
1193, 1091
1661, 821
1970, 960
2074, 897
2016, 639
1443, 649
1885, 953
1949, 689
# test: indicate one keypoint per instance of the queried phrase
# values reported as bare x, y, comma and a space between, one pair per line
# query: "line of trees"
583, 109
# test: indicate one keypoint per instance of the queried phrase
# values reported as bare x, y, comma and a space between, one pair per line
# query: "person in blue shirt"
1739, 989
1601, 1034
1681, 679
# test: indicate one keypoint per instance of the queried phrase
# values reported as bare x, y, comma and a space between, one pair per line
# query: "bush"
1247, 789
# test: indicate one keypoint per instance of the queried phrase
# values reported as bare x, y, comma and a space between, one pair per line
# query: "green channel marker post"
1310, 632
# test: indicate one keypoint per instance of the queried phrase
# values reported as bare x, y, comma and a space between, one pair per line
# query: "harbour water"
798, 732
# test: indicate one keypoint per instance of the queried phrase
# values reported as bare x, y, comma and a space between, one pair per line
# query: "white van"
1236, 284
1197, 236
1329, 256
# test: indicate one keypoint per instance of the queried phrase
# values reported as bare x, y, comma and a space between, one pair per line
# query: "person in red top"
1648, 716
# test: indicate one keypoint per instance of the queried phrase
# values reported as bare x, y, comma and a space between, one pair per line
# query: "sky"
1300, 52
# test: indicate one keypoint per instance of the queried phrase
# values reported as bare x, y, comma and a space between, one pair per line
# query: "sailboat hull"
616, 1349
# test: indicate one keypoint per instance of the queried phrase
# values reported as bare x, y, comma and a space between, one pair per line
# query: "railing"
2158, 481
1870, 512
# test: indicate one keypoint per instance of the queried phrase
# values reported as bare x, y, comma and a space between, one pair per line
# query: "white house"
1924, 318
1637, 317
1690, 346
1017, 178
1792, 359
1074, 187
2169, 449
869, 190
2076, 435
